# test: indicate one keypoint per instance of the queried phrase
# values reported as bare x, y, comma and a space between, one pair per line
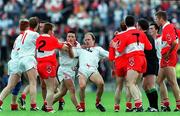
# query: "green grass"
69, 109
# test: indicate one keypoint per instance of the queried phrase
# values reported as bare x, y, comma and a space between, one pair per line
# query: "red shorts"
121, 67
137, 63
172, 61
47, 70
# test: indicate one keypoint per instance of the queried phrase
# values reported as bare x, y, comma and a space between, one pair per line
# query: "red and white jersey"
16, 47
90, 57
168, 36
28, 43
134, 42
114, 55
65, 60
45, 48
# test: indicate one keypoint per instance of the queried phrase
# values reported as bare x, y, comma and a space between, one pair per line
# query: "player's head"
123, 26
34, 23
41, 26
161, 17
89, 39
23, 24
48, 28
130, 21
142, 24
153, 29
71, 37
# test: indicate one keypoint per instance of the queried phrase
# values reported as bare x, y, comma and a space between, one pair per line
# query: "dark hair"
33, 22
155, 25
143, 23
161, 14
71, 31
130, 21
47, 27
123, 26
23, 24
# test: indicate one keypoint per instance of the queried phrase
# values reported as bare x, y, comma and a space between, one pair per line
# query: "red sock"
138, 104
61, 100
166, 102
45, 103
1, 102
33, 105
178, 104
116, 107
97, 101
128, 105
82, 105
23, 96
78, 106
14, 106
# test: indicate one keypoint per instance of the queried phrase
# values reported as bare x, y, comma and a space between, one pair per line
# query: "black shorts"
152, 68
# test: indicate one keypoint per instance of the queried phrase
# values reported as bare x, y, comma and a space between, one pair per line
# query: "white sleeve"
76, 51
103, 53
36, 35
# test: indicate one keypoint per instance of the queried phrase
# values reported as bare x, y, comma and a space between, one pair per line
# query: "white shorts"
65, 73
87, 72
27, 63
13, 67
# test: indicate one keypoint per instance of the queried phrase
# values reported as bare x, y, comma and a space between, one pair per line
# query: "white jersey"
158, 46
66, 61
16, 47
28, 43
90, 57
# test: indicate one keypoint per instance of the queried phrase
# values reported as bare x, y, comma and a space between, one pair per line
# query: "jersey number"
42, 44
137, 35
24, 37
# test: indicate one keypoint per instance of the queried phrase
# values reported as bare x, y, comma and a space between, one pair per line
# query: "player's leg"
128, 101
119, 86
32, 76
163, 90
50, 87
22, 99
69, 84
131, 79
151, 92
98, 80
171, 77
43, 88
15, 91
13, 80
82, 86
59, 95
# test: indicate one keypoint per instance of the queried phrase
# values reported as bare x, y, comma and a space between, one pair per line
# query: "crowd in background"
102, 17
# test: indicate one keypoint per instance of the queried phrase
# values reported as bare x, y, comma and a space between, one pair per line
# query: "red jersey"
134, 42
168, 36
45, 48
114, 55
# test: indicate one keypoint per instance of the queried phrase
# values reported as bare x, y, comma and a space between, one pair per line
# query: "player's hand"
69, 44
166, 56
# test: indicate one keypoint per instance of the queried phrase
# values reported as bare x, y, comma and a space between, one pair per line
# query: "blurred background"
102, 17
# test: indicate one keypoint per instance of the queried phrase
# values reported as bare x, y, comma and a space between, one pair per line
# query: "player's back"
27, 44
134, 42
45, 48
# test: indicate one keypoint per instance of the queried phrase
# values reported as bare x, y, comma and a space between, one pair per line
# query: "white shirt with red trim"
16, 47
28, 43
90, 56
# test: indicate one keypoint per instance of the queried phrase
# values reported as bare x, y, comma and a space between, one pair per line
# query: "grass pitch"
69, 109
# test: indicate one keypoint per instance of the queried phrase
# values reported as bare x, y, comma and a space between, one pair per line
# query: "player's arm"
103, 53
111, 53
147, 43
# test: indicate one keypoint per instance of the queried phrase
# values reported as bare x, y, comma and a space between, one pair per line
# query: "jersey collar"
165, 24
130, 28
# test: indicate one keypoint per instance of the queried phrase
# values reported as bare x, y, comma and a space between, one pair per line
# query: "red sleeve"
168, 34
111, 53
58, 44
147, 44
